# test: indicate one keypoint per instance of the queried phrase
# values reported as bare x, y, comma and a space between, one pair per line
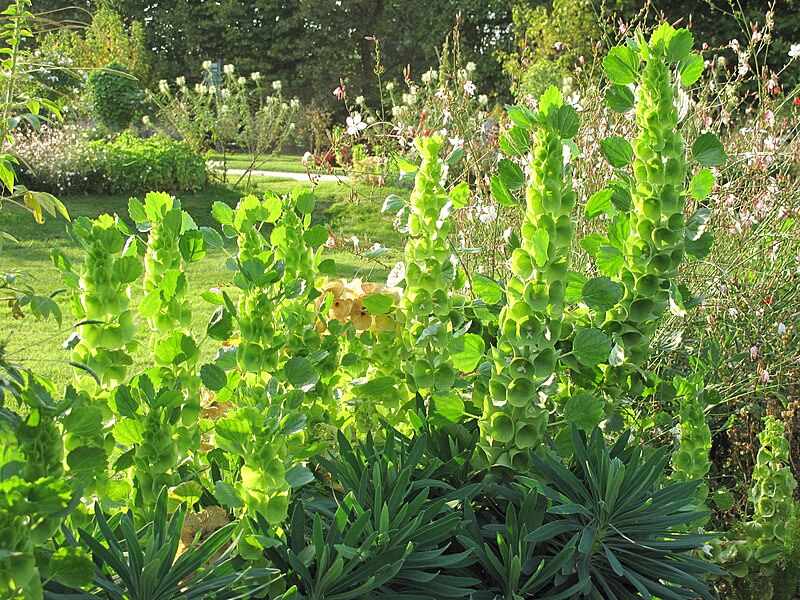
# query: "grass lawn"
287, 163
347, 210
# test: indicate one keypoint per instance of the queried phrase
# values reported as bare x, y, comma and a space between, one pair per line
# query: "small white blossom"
360, 100
355, 125
794, 51
180, 81
306, 157
228, 69
483, 99
430, 75
390, 86
207, 65
241, 80
255, 75
163, 86
469, 88
277, 85
781, 329
471, 67
753, 352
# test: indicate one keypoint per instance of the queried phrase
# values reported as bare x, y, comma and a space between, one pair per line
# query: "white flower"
781, 329
469, 87
360, 100
207, 65
376, 246
255, 75
794, 51
199, 88
226, 93
390, 86
163, 86
753, 352
765, 377
241, 80
430, 75
294, 103
457, 142
212, 89
483, 99
277, 85
146, 120
355, 241
228, 69
488, 214
306, 157
396, 110
471, 67
707, 548
355, 125
180, 81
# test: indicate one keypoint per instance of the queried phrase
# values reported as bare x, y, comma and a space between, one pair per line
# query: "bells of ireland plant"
656, 205
523, 379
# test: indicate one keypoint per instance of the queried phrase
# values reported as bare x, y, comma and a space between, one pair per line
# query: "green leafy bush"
156, 163
115, 95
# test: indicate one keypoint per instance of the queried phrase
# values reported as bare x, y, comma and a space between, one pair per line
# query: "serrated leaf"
316, 236
521, 116
467, 351
702, 183
501, 193
591, 347
601, 294
487, 289
516, 141
584, 410
599, 203
617, 151
709, 151
511, 174
690, 69
299, 372
679, 46
566, 121
378, 304
393, 204
222, 213
620, 98
128, 432
213, 377
621, 65
449, 405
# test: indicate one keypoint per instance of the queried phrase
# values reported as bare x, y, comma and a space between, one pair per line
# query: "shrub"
115, 96
157, 163
67, 161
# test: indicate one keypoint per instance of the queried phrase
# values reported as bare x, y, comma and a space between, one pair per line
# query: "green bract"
516, 411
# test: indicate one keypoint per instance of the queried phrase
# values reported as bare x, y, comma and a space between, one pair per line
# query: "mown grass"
347, 211
286, 163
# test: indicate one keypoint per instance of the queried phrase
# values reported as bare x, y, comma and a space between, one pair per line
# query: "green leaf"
679, 46
299, 372
591, 347
592, 242
187, 491
222, 213
487, 289
702, 183
213, 377
459, 195
299, 475
405, 165
599, 203
378, 304
709, 151
71, 567
609, 260
511, 174
128, 432
449, 405
393, 204
617, 151
192, 245
521, 116
620, 98
226, 494
621, 65
565, 121
601, 294
516, 141
87, 459
501, 193
575, 283
584, 410
467, 351
136, 211
304, 200
327, 267
316, 236
128, 269
550, 101
85, 421
220, 326
690, 69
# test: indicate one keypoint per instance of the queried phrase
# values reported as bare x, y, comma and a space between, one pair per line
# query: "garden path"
295, 176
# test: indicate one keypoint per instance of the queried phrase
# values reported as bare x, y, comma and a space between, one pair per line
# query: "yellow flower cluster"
348, 305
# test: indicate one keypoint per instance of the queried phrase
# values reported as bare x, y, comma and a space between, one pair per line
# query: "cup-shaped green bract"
517, 408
